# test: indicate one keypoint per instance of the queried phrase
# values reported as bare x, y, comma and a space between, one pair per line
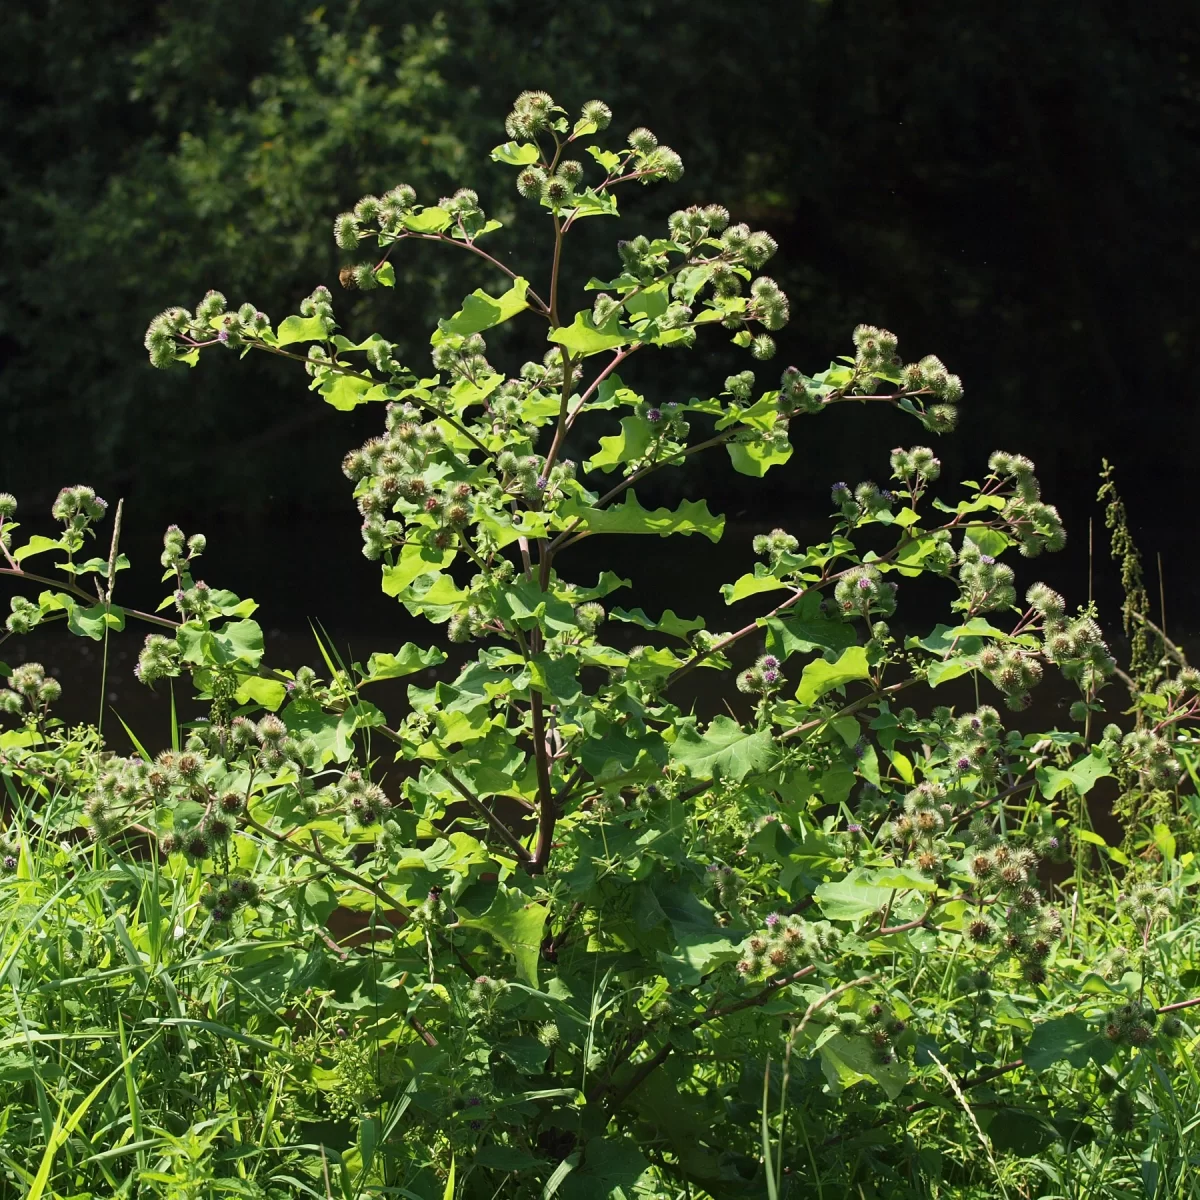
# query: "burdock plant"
602, 901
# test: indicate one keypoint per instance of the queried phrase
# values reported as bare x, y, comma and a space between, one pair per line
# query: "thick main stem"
547, 808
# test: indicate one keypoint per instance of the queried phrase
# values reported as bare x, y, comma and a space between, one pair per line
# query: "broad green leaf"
981, 627
319, 727
751, 585
414, 562
631, 443
386, 275
436, 597
606, 583
1081, 775
516, 154
692, 516
700, 942
820, 676
528, 605
244, 640
506, 530
804, 628
590, 203
1164, 839
903, 878
725, 750
301, 329
668, 623
269, 693
473, 391
557, 678
852, 898
528, 1055
229, 605
757, 458
430, 220
517, 923
847, 1059
608, 159
91, 622
913, 553
481, 311
650, 301
583, 337
97, 566
951, 668
610, 1168
942, 638
37, 545
1068, 1039
345, 392
407, 660
989, 541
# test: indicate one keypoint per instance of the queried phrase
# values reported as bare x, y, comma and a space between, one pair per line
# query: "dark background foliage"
1008, 187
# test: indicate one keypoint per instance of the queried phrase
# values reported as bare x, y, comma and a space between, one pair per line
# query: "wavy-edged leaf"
692, 516
583, 336
630, 444
481, 311
1069, 1039
301, 329
1081, 775
409, 659
724, 750
429, 220
757, 458
37, 545
820, 677
516, 922
414, 561
668, 623
267, 693
516, 154
805, 628
752, 584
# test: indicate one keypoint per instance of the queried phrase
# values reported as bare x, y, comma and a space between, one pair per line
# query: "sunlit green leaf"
820, 676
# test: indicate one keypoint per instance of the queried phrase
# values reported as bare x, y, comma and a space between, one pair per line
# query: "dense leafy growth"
551, 929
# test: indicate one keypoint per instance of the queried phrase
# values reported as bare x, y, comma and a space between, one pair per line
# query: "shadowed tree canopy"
1008, 186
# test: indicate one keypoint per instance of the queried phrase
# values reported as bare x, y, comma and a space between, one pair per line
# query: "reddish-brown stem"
150, 618
542, 307
497, 826
773, 986
621, 355
310, 852
554, 268
337, 370
885, 929
919, 1105
547, 808
746, 630
711, 1014
1168, 1008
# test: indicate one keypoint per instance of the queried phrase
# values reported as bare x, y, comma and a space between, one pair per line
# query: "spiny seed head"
643, 141
598, 113
196, 845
